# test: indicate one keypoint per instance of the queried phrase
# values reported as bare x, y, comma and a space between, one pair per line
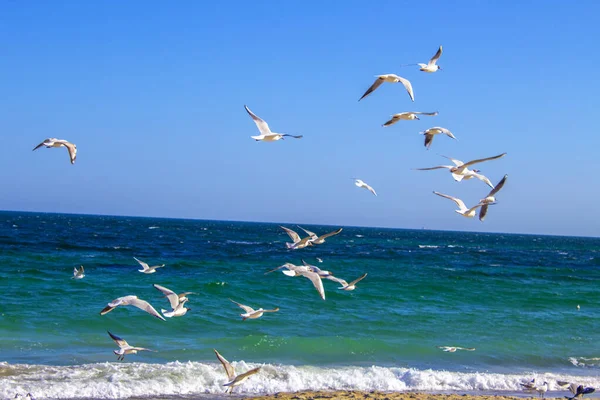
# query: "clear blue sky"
152, 93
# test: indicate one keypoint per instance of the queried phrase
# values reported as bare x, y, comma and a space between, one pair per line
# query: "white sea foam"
428, 246
123, 380
153, 227
585, 361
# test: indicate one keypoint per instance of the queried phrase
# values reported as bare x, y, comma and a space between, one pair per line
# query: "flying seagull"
362, 184
251, 313
124, 347
348, 286
297, 242
265, 132
302, 270
78, 273
313, 268
131, 301
230, 371
146, 269
431, 66
577, 390
490, 198
461, 171
407, 116
462, 208
178, 308
320, 239
391, 78
452, 349
54, 142
431, 132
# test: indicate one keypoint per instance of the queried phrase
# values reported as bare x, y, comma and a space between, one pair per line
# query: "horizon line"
295, 223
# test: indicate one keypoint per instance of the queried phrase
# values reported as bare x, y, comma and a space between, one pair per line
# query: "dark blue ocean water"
512, 297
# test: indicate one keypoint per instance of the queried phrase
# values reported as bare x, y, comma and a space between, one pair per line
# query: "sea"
528, 304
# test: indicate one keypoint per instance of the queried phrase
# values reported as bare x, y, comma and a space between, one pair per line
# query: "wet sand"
348, 395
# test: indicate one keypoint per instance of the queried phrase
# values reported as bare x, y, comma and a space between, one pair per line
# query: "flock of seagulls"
459, 170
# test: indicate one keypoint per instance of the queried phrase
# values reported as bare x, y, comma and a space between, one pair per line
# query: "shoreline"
382, 395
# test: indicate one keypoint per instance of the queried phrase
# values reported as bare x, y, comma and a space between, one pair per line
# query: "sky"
153, 93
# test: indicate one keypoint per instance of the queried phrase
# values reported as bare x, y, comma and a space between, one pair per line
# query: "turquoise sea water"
512, 297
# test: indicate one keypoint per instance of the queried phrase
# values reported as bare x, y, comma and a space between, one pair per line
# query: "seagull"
319, 271
265, 133
407, 116
295, 270
320, 239
490, 198
362, 184
252, 313
460, 171
528, 385
319, 259
131, 301
431, 132
54, 142
146, 269
178, 308
452, 349
230, 371
125, 348
348, 286
292, 270
462, 208
542, 389
391, 78
298, 243
78, 273
431, 65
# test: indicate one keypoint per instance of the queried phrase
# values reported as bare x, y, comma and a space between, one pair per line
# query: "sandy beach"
343, 394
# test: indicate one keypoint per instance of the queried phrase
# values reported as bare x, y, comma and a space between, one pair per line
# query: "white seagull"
462, 208
230, 371
529, 385
78, 273
251, 313
178, 308
542, 389
131, 301
362, 184
124, 347
315, 239
313, 268
297, 242
452, 349
146, 269
431, 66
490, 198
265, 132
407, 116
391, 78
431, 132
461, 171
54, 142
295, 270
348, 286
